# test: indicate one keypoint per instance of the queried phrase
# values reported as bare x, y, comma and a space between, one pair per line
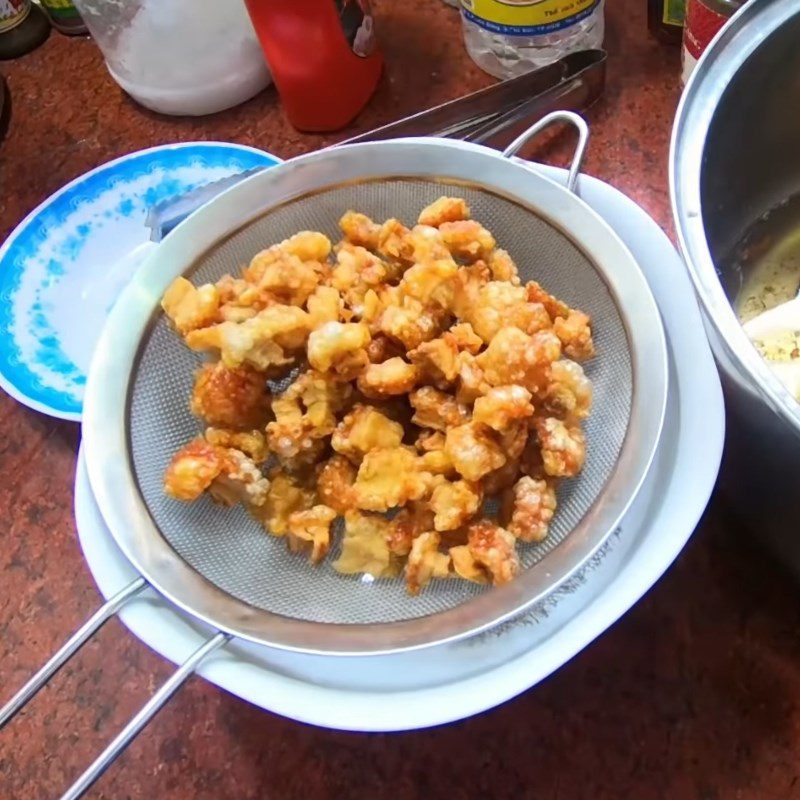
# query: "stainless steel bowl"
735, 157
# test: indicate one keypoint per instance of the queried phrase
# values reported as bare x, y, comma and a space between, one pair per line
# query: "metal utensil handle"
568, 117
147, 712
69, 648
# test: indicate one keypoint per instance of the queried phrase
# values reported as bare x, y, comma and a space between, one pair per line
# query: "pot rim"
728, 53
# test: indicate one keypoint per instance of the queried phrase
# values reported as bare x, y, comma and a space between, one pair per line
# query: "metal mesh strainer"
216, 563
227, 546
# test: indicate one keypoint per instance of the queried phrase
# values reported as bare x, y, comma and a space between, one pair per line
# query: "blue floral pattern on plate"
66, 262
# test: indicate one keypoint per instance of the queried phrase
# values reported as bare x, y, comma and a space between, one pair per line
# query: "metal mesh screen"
232, 550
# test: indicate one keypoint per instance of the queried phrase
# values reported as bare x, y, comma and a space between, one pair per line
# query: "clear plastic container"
179, 56
507, 38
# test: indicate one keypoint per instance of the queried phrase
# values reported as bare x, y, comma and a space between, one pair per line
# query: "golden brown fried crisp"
528, 508
193, 468
437, 360
365, 547
471, 383
390, 477
466, 338
286, 496
429, 281
514, 357
575, 333
309, 532
230, 397
338, 347
356, 270
364, 429
433, 457
502, 405
411, 323
228, 474
324, 305
425, 562
381, 348
423, 244
304, 415
252, 443
493, 548
466, 288
467, 239
360, 230
474, 450
391, 377
260, 341
240, 300
391, 245
412, 520
437, 410
454, 504
283, 276
445, 209
568, 392
503, 267
563, 447
514, 439
490, 554
392, 336
500, 479
335, 479
553, 306
289, 271
502, 305
430, 441
190, 308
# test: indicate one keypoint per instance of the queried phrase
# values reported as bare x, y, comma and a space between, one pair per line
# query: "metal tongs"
493, 117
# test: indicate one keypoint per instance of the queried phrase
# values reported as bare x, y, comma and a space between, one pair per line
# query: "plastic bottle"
180, 57
323, 58
507, 38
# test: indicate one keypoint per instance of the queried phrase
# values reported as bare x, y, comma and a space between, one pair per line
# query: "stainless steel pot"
735, 157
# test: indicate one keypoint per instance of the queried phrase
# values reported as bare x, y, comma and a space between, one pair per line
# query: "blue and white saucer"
64, 265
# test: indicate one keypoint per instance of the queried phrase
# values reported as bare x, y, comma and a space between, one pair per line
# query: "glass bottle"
64, 16
23, 27
665, 19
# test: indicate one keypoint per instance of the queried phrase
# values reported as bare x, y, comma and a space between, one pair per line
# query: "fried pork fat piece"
490, 555
228, 474
389, 477
305, 415
236, 398
425, 380
310, 532
528, 508
365, 429
425, 562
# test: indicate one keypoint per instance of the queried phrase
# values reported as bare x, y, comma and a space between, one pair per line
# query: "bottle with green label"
64, 16
665, 19
510, 37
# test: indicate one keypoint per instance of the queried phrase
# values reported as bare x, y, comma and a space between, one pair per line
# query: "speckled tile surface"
693, 694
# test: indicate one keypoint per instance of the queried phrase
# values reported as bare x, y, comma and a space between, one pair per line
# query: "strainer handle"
568, 117
147, 712
69, 648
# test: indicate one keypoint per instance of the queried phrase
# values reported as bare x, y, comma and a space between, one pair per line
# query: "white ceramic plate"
446, 683
64, 265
